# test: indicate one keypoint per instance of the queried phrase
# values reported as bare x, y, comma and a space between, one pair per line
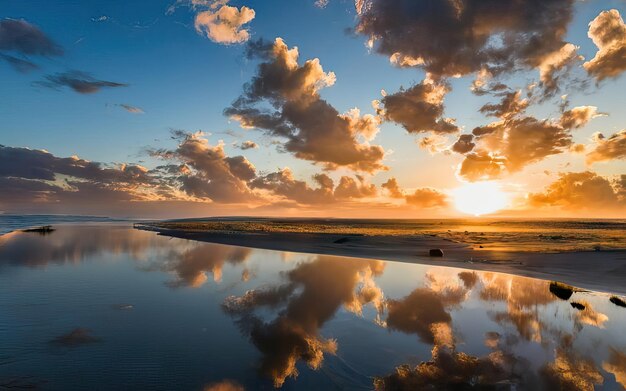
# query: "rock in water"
436, 252
560, 290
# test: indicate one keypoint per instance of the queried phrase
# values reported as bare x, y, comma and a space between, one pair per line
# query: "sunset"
307, 167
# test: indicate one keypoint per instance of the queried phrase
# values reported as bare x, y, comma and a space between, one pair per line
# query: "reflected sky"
104, 306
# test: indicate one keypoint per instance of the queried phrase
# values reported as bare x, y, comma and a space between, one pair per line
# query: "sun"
479, 198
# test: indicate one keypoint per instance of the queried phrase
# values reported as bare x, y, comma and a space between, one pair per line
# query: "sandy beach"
603, 271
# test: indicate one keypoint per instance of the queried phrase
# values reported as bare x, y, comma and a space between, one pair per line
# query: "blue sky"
182, 80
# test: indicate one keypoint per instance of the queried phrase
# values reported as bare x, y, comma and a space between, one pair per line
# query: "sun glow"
479, 198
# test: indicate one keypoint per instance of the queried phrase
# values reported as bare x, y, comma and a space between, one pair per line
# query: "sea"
103, 306
13, 222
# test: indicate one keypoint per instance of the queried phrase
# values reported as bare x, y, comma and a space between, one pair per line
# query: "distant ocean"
11, 222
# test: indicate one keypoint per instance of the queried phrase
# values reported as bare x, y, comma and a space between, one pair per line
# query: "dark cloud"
35, 176
510, 105
25, 38
580, 190
313, 128
80, 82
608, 33
311, 296
459, 37
464, 144
612, 148
206, 172
481, 165
419, 108
19, 64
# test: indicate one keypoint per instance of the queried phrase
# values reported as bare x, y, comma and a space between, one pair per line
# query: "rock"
560, 290
436, 252
341, 240
578, 306
43, 230
618, 301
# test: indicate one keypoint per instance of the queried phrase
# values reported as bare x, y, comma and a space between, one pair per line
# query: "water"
109, 307
10, 222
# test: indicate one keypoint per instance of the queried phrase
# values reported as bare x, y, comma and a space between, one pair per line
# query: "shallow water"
13, 222
109, 307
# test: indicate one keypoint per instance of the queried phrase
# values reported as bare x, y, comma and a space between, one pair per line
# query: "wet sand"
603, 271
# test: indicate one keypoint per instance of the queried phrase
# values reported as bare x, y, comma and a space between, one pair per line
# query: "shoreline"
601, 271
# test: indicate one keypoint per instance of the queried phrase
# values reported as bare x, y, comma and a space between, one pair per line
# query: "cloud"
223, 23
580, 190
608, 33
419, 108
19, 64
206, 172
311, 296
314, 129
131, 109
481, 165
517, 140
552, 67
248, 145
283, 183
450, 38
510, 106
422, 198
578, 116
351, 188
427, 198
512, 144
612, 148
25, 38
80, 82
393, 188
464, 144
38, 179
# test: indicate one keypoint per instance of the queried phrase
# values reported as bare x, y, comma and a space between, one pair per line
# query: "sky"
373, 108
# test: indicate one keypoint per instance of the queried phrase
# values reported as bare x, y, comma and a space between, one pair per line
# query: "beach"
599, 269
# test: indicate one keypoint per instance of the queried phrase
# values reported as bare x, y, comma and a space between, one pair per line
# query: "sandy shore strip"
602, 271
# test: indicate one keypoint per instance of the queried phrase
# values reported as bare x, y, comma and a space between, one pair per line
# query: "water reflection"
296, 314
311, 295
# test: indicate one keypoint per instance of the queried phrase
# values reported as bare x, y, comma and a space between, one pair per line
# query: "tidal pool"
109, 307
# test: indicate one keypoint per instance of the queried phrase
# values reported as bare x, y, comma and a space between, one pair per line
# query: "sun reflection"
479, 198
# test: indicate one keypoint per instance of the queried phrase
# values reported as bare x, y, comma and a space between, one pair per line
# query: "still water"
108, 307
